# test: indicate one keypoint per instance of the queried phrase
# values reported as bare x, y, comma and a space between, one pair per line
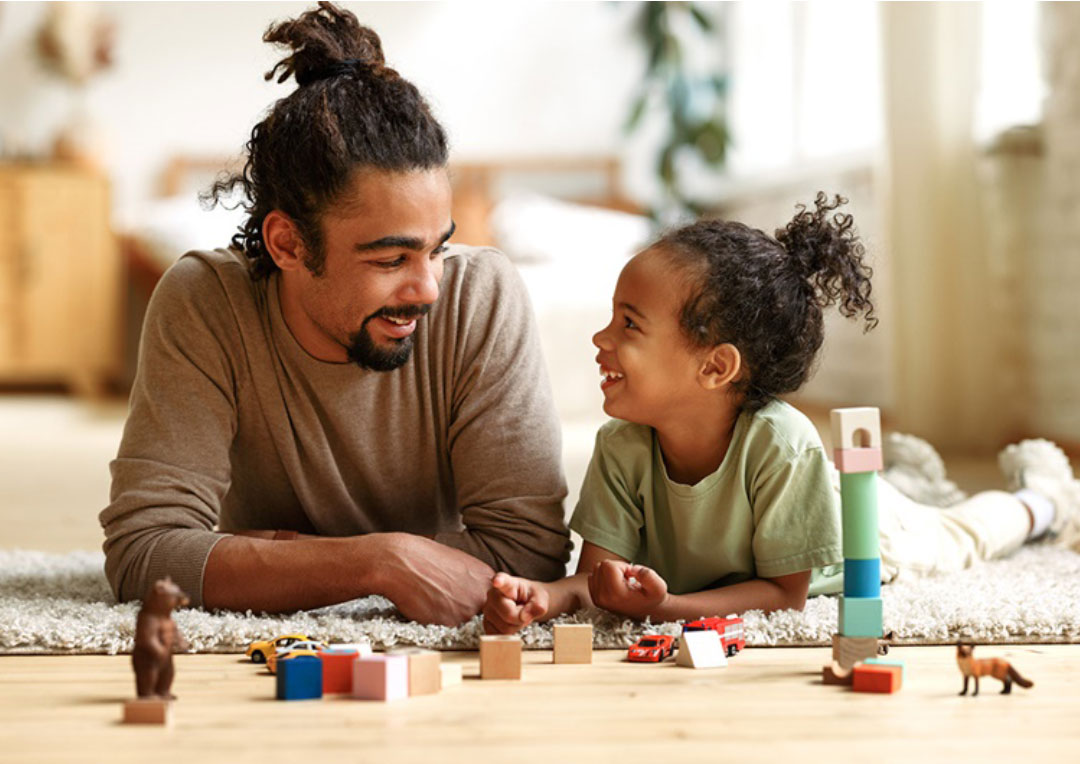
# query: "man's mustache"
406, 312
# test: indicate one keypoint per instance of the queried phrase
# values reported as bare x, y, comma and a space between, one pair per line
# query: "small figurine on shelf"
156, 638
998, 668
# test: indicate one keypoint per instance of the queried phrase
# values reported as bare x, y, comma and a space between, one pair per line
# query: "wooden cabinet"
59, 278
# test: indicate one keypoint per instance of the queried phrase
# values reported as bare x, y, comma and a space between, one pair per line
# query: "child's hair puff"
765, 295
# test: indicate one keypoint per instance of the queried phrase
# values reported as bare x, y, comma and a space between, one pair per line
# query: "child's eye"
629, 322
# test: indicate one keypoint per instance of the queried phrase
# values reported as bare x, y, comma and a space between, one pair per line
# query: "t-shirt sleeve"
172, 470
796, 516
608, 512
504, 436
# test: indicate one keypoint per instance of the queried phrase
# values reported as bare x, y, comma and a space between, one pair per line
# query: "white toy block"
855, 428
701, 649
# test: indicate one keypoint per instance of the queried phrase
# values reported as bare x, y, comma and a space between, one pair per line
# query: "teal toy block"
859, 515
860, 616
300, 678
889, 662
862, 578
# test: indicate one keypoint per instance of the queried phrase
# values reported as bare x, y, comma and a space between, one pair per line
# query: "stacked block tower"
856, 436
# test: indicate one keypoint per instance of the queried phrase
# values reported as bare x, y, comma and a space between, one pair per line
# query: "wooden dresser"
60, 278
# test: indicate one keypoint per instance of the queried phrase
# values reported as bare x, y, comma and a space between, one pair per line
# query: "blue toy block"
299, 678
862, 578
888, 662
860, 617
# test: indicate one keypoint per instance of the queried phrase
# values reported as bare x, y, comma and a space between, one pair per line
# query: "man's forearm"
245, 572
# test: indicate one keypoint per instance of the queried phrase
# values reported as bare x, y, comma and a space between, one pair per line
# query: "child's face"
650, 372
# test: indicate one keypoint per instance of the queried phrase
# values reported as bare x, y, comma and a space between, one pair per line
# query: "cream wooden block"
148, 711
573, 643
425, 678
701, 649
500, 657
855, 428
451, 674
847, 651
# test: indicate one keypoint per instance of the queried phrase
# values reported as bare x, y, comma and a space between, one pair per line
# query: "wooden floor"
768, 704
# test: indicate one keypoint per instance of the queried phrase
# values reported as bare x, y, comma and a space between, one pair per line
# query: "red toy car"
652, 648
730, 630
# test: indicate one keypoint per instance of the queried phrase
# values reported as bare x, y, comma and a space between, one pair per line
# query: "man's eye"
438, 251
390, 263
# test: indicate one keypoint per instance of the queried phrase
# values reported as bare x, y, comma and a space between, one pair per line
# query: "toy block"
300, 678
862, 578
500, 657
834, 674
858, 459
701, 649
887, 662
860, 617
148, 711
856, 427
870, 678
573, 643
381, 677
337, 670
451, 674
847, 651
859, 515
363, 649
425, 677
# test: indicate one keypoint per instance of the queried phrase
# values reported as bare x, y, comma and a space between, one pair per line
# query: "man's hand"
627, 589
430, 582
513, 603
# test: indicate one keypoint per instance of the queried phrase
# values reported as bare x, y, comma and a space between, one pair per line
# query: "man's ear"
721, 366
283, 241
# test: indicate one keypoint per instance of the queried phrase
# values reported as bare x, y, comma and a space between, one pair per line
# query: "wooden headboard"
478, 185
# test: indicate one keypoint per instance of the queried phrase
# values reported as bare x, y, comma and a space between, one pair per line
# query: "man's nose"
422, 287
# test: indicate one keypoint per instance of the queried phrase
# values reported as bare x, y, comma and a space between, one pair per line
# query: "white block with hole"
856, 428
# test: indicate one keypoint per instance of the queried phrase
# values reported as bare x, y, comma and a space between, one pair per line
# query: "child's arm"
513, 603
639, 592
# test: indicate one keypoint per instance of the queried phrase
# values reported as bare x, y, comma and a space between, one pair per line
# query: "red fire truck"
730, 630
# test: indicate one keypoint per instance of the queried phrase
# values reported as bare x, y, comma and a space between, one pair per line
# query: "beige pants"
922, 539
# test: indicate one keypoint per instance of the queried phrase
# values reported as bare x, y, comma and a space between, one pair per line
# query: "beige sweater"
233, 426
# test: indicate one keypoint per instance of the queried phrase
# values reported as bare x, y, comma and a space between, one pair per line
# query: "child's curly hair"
765, 295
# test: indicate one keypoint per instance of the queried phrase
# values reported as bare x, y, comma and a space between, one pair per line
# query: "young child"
707, 494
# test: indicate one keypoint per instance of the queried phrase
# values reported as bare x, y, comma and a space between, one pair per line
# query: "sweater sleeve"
172, 470
504, 435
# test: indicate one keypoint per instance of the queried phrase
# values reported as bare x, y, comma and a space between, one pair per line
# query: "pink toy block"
858, 459
381, 677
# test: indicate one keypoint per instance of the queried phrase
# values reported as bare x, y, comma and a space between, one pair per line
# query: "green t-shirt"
769, 510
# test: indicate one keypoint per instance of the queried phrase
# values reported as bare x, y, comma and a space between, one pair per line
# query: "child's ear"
721, 367
282, 240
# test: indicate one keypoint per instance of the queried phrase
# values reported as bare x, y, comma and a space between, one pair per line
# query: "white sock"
1042, 509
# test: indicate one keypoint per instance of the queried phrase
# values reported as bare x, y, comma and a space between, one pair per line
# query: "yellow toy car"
306, 647
263, 649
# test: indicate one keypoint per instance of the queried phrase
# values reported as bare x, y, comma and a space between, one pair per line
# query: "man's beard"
366, 354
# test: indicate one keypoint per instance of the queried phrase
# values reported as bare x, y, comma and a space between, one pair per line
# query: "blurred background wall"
952, 129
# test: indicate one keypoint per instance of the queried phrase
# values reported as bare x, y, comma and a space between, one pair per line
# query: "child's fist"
513, 603
621, 587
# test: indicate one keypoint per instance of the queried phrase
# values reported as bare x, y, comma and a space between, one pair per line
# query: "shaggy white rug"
62, 604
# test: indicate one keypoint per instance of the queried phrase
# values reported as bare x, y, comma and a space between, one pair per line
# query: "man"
358, 409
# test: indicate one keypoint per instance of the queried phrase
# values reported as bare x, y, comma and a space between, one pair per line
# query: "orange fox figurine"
996, 667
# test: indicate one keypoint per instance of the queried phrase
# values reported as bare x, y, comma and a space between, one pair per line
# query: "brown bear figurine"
156, 638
